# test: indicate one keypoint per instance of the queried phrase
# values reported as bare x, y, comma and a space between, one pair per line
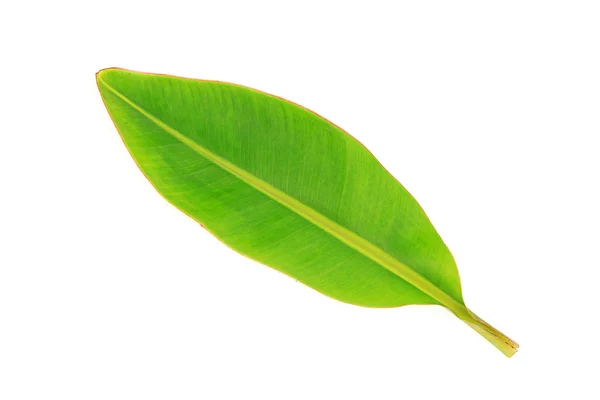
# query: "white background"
488, 112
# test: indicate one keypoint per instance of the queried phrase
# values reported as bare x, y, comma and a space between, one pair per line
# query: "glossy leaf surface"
287, 188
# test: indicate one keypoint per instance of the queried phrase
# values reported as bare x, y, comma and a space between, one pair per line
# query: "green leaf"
287, 188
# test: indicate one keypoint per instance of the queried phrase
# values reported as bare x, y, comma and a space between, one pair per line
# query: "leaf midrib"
341, 233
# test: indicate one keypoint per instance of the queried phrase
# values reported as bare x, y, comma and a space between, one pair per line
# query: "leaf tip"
102, 74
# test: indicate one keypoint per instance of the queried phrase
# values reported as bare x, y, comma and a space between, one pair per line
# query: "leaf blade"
388, 282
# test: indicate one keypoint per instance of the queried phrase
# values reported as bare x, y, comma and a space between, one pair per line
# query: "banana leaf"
285, 187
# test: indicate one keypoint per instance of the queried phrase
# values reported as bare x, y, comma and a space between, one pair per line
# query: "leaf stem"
502, 342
